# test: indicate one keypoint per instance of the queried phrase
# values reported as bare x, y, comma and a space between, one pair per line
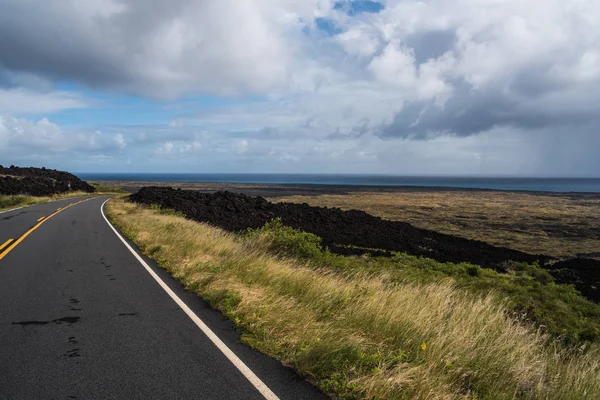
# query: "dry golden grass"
359, 336
558, 226
9, 202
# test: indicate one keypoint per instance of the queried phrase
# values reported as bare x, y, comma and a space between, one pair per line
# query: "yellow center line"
40, 219
19, 240
5, 244
59, 208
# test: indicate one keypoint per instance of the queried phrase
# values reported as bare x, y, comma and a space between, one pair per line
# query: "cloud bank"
331, 83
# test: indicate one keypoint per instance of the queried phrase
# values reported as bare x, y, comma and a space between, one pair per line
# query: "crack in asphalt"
58, 321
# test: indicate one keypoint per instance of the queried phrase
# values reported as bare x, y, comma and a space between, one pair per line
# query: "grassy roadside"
530, 292
13, 201
9, 202
360, 333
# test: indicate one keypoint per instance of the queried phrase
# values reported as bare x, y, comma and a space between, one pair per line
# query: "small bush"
473, 270
166, 211
11, 201
288, 241
154, 250
224, 300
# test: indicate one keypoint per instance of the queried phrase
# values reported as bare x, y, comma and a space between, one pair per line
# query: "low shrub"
12, 201
288, 241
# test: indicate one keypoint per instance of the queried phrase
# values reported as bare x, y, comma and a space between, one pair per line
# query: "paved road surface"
81, 318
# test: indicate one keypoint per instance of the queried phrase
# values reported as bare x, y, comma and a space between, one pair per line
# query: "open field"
557, 225
560, 225
385, 331
355, 232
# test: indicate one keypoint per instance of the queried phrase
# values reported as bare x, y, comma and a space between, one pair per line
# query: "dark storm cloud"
471, 111
46, 39
360, 129
55, 40
533, 82
155, 48
6, 79
430, 44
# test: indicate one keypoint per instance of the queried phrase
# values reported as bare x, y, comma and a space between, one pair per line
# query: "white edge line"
15, 209
37, 204
239, 364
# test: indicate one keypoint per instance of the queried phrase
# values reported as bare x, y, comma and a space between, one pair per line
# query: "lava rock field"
338, 229
39, 182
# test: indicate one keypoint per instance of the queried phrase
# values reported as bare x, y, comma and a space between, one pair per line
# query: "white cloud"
164, 150
20, 101
223, 47
359, 42
24, 136
190, 147
179, 150
190, 46
513, 69
120, 141
395, 66
241, 146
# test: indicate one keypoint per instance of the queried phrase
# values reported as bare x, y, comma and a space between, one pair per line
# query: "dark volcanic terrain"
356, 232
39, 182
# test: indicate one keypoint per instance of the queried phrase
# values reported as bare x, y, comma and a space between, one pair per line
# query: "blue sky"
117, 109
353, 8
390, 87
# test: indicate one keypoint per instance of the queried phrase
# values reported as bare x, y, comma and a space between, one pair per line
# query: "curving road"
82, 318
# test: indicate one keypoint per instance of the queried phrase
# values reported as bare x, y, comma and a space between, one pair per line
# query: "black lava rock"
338, 228
39, 181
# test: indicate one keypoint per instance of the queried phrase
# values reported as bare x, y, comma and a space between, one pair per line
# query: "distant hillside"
39, 181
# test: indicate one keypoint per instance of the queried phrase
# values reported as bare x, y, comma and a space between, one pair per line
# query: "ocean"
590, 185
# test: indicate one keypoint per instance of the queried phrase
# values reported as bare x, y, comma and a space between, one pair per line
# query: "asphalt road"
81, 318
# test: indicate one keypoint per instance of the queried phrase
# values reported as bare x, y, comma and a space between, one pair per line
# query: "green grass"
530, 291
8, 202
12, 201
356, 326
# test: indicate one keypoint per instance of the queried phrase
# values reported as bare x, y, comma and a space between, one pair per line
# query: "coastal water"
498, 183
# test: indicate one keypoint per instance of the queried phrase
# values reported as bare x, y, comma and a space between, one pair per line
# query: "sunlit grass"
358, 334
8, 202
14, 201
